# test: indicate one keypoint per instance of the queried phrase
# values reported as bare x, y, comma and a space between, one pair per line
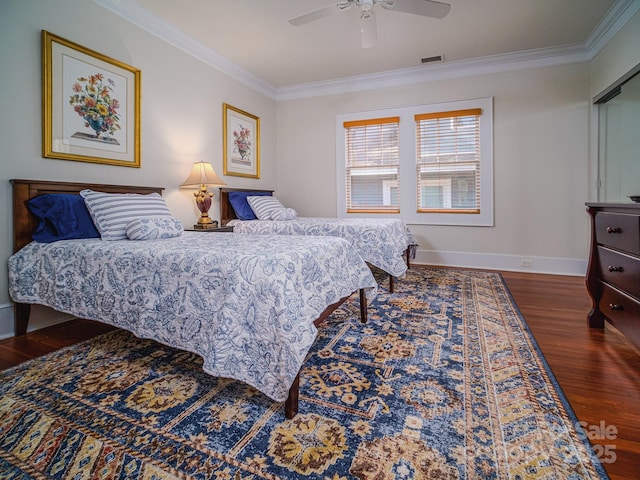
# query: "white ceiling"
255, 36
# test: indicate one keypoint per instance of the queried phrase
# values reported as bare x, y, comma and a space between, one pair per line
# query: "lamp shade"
202, 173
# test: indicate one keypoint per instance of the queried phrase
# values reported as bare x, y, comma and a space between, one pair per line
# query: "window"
426, 164
448, 161
372, 165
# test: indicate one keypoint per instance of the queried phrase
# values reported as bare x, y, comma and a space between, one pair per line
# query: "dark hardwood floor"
598, 370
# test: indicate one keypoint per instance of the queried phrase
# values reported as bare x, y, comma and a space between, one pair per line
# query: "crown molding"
617, 16
477, 66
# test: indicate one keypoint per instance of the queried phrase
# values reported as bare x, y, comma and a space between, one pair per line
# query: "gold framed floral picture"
91, 105
241, 143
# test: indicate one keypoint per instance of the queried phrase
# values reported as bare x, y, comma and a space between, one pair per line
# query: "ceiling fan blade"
427, 8
368, 30
316, 14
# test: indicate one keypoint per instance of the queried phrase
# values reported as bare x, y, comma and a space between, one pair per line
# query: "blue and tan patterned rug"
445, 381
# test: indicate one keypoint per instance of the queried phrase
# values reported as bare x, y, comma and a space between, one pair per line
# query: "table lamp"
203, 176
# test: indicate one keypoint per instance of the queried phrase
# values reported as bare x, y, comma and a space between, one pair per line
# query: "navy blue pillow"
238, 201
62, 216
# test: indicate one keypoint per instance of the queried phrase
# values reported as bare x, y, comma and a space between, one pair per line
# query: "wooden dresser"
613, 275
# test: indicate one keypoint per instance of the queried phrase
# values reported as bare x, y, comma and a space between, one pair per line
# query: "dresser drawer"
618, 230
620, 270
622, 311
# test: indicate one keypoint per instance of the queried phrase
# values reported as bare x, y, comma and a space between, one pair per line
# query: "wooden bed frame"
227, 214
226, 210
25, 223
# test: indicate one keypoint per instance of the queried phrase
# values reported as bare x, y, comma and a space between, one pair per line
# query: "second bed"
384, 243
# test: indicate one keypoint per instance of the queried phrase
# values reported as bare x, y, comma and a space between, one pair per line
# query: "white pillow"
270, 208
112, 212
152, 228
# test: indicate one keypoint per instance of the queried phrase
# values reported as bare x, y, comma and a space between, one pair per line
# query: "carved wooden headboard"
24, 223
226, 210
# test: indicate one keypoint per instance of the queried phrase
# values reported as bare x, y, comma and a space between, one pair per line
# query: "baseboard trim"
511, 263
41, 317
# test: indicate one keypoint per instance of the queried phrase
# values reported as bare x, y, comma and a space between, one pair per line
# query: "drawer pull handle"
614, 229
615, 269
616, 307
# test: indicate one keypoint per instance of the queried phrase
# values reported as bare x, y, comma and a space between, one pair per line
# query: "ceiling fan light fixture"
366, 5
425, 8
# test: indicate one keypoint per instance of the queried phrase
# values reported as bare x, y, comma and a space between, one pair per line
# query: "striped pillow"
270, 208
112, 212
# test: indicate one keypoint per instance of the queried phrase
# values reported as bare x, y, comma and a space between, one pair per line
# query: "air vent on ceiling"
437, 58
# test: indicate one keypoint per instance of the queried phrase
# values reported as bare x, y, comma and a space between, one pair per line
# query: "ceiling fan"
368, 30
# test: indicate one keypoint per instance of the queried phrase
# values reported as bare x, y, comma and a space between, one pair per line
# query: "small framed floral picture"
241, 143
91, 105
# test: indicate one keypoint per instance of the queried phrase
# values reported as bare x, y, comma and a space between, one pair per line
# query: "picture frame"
91, 105
241, 143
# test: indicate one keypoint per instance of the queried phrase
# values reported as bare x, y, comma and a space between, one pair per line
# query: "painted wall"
541, 142
181, 114
618, 57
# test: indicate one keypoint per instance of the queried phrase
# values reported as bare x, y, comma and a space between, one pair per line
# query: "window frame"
408, 158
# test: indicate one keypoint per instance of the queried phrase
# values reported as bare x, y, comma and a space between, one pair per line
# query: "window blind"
448, 161
372, 165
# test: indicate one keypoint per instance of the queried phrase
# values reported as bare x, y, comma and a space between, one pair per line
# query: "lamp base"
206, 226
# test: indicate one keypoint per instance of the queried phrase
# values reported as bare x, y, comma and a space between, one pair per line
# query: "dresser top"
630, 205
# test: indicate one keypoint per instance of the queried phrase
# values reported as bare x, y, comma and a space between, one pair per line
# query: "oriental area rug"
444, 381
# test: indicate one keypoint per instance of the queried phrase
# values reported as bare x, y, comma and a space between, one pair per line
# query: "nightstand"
228, 228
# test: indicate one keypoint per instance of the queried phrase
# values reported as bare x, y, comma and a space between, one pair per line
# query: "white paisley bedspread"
244, 303
381, 242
